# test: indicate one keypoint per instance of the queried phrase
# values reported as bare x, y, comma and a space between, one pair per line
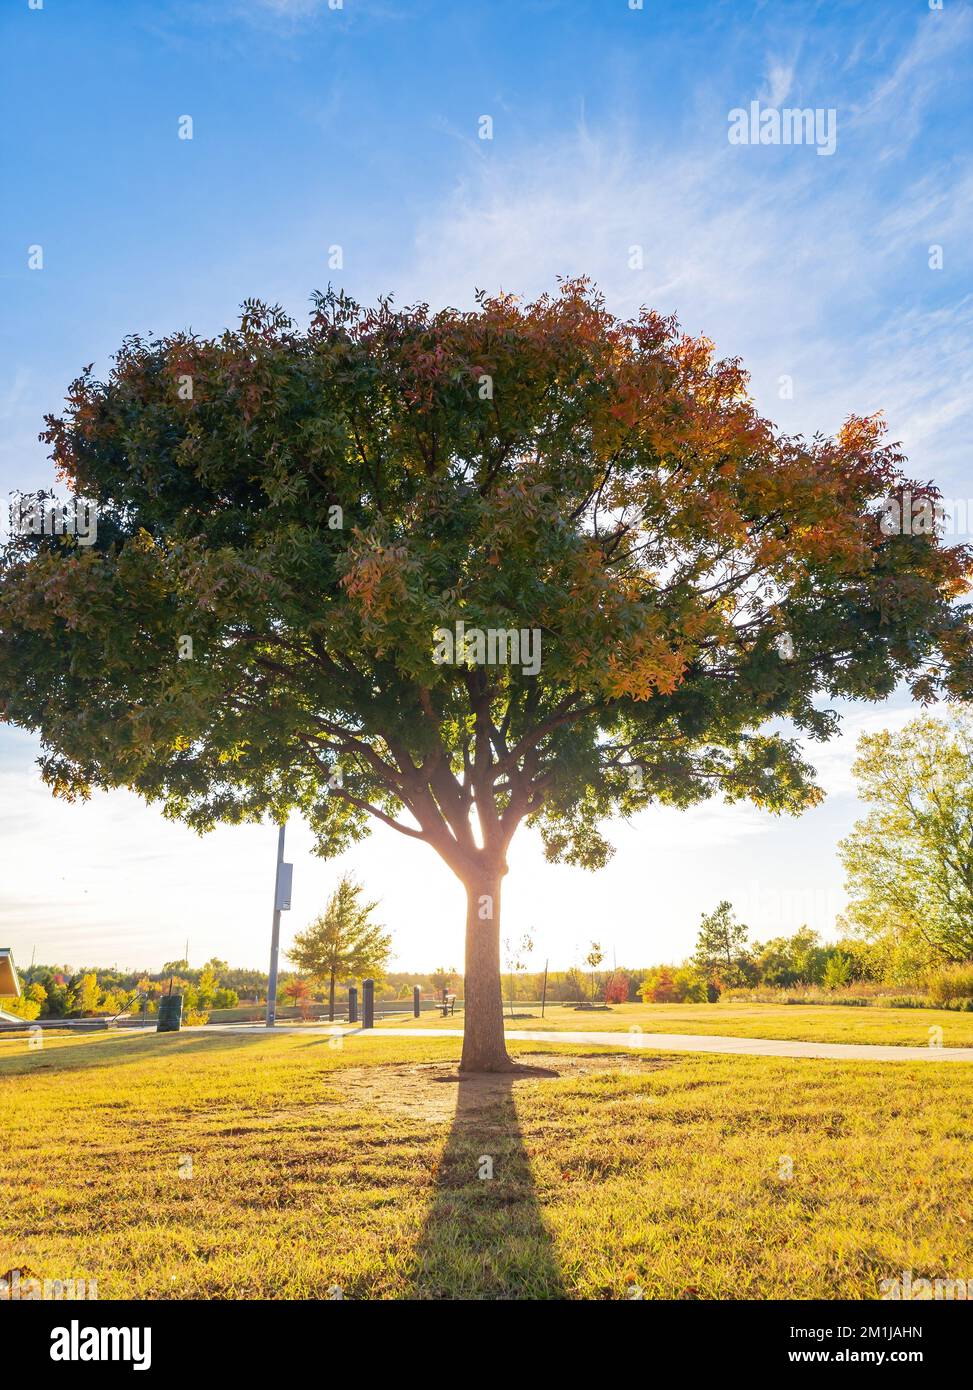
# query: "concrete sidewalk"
654, 1042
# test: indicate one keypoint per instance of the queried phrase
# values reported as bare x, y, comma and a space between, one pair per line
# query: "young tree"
664, 991
297, 990
89, 994
808, 956
343, 941
635, 574
592, 960
720, 944
298, 993
207, 986
909, 862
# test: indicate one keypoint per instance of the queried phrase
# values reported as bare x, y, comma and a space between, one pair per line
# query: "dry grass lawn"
195, 1165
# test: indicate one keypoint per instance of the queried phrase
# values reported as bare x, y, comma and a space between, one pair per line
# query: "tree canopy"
909, 861
289, 521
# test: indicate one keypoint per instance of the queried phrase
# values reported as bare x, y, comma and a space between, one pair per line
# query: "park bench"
447, 1005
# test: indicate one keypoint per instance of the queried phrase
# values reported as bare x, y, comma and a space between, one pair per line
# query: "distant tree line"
53, 991
908, 925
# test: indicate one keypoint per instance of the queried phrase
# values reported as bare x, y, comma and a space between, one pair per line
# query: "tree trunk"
331, 1000
483, 1044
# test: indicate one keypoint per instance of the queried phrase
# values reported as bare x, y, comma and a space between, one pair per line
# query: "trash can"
170, 1013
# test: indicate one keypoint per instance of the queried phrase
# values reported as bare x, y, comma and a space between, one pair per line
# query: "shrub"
196, 1016
951, 982
690, 987
23, 1007
671, 984
658, 986
664, 990
837, 971
616, 990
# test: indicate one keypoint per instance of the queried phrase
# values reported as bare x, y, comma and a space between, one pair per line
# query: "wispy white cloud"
779, 80
897, 102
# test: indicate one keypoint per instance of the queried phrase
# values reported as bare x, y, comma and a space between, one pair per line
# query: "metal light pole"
282, 901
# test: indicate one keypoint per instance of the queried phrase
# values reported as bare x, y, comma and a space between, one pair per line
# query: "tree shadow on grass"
111, 1048
485, 1236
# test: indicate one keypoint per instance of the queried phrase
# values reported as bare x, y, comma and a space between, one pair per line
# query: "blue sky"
358, 127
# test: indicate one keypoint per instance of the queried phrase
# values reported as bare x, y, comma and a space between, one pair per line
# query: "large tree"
910, 859
313, 508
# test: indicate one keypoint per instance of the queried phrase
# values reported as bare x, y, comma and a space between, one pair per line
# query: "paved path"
655, 1042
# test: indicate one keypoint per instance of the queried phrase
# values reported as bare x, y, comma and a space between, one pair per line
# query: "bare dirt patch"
434, 1091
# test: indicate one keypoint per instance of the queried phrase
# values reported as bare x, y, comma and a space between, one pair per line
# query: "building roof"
9, 983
